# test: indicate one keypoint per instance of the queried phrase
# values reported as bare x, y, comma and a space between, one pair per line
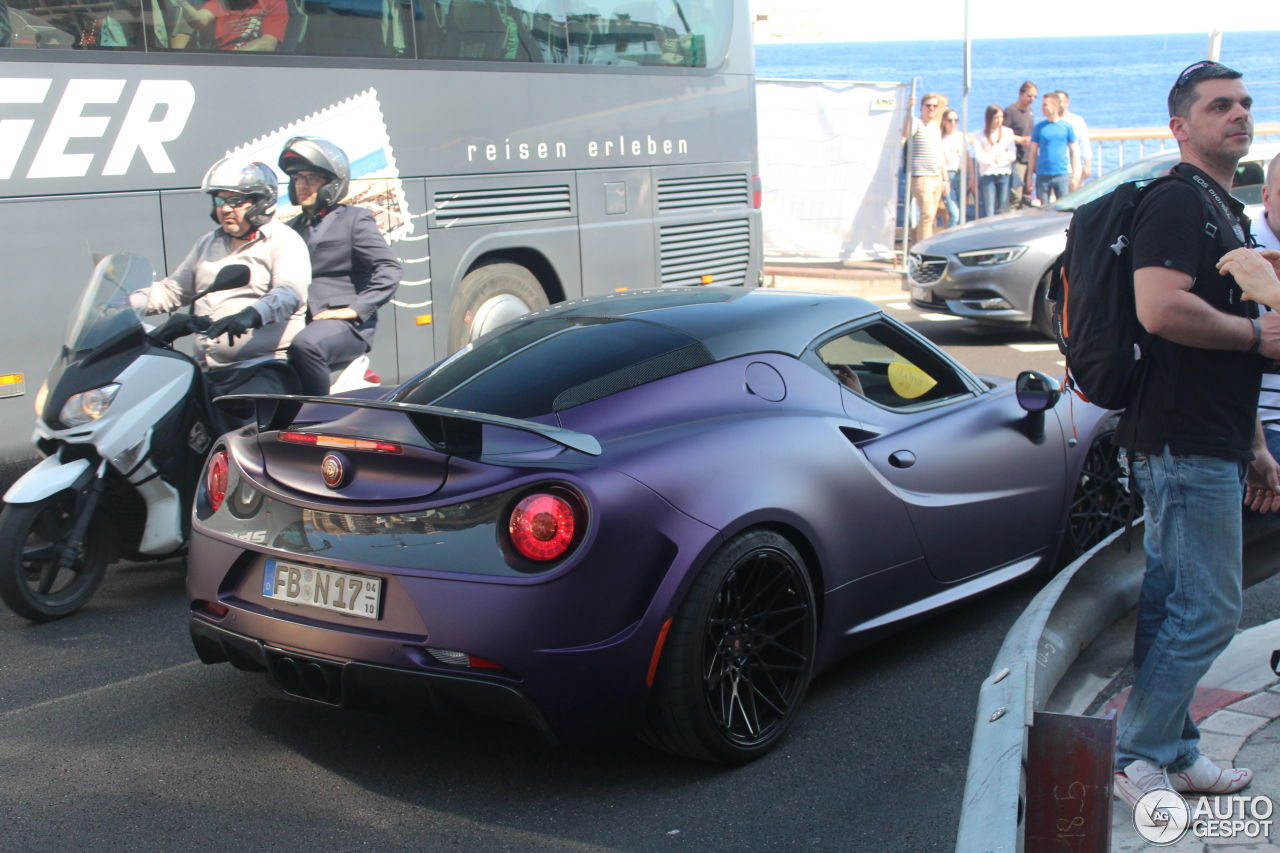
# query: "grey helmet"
320, 155
255, 180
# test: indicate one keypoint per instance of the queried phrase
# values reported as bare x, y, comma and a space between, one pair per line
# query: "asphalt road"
113, 737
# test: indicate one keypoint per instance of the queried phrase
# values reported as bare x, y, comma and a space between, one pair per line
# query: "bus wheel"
490, 296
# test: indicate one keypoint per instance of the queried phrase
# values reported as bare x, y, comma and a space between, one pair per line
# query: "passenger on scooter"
252, 324
354, 272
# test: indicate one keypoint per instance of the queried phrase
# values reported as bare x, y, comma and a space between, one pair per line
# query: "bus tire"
490, 296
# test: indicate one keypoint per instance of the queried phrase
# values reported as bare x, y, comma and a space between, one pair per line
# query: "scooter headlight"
42, 397
88, 406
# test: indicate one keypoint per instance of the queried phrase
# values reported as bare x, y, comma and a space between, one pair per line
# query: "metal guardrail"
1068, 614
1154, 137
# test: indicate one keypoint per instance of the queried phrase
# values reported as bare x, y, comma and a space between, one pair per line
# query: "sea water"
1113, 81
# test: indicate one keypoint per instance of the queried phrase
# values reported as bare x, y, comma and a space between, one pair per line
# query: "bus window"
352, 28
483, 29
254, 25
86, 25
648, 32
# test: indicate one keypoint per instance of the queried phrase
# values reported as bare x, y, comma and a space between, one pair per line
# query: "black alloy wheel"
739, 655
33, 583
1104, 500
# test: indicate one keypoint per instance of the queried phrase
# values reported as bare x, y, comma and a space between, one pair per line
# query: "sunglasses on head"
1191, 72
234, 202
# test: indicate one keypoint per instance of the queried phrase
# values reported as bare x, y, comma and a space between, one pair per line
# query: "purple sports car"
652, 513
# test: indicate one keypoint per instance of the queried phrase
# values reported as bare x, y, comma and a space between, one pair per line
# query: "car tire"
1103, 500
750, 618
29, 534
488, 297
1042, 309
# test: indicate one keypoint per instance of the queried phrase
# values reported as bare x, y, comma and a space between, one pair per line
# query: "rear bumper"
353, 684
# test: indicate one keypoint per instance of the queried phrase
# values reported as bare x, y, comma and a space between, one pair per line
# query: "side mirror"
1037, 394
230, 277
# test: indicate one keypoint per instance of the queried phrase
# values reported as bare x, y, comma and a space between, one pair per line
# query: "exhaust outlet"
317, 683
287, 675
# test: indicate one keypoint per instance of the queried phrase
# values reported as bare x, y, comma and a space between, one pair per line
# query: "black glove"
180, 325
236, 325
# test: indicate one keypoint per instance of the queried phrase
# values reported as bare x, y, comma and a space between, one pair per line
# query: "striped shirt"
926, 148
1269, 399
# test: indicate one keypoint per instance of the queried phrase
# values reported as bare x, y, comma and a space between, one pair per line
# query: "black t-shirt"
1022, 122
1199, 402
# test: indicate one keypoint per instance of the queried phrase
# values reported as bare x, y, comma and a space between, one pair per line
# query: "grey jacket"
351, 265
279, 273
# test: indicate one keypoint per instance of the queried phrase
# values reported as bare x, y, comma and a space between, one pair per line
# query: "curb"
993, 804
1085, 599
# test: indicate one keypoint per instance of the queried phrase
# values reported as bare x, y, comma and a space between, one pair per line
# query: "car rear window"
521, 372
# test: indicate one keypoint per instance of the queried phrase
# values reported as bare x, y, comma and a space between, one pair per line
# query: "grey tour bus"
515, 152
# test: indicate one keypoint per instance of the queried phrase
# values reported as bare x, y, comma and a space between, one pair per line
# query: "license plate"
921, 294
325, 589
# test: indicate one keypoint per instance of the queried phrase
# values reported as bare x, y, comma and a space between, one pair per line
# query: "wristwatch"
1257, 335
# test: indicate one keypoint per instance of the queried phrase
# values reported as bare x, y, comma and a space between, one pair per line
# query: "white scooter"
124, 438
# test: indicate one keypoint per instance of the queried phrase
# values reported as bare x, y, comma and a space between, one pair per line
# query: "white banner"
830, 153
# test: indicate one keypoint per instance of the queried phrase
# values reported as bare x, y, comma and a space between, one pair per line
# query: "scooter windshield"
105, 311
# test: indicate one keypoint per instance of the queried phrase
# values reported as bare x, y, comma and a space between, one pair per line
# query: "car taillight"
215, 478
213, 608
542, 527
757, 192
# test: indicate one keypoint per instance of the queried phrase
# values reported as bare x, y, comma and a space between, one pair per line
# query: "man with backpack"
1191, 432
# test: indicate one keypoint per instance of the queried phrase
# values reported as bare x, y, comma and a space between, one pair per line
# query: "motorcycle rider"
255, 323
354, 271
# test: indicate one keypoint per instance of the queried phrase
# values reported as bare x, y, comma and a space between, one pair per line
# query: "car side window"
888, 368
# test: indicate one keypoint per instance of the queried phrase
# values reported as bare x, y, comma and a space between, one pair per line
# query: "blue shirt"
1054, 139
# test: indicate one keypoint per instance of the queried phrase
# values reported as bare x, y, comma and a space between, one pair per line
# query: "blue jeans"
950, 197
1190, 602
1060, 184
993, 194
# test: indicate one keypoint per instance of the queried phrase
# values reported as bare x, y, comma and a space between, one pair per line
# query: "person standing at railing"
1082, 137
1055, 154
952, 150
1021, 120
926, 166
995, 150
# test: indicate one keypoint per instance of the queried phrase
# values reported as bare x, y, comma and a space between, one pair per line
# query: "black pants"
320, 344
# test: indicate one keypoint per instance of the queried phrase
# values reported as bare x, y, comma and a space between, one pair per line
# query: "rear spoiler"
453, 431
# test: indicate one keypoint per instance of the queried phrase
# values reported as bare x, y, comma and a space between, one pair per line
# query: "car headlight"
88, 405
991, 257
42, 397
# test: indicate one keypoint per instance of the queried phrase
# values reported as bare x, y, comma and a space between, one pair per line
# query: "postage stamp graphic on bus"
357, 127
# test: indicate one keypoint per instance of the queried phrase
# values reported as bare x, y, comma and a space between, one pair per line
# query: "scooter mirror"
230, 277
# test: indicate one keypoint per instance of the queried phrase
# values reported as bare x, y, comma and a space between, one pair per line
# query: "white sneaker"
1205, 777
1139, 778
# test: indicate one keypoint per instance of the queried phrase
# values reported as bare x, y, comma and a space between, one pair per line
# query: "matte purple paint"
758, 438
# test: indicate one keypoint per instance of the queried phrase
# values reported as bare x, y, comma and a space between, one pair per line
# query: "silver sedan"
996, 270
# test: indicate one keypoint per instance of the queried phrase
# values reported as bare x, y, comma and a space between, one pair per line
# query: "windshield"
105, 313
1143, 170
543, 366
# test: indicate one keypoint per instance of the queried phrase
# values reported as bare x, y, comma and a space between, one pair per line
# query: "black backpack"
1095, 319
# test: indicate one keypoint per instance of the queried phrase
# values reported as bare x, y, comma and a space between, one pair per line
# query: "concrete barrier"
1081, 602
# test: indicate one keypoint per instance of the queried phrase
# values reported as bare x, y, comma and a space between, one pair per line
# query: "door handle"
902, 459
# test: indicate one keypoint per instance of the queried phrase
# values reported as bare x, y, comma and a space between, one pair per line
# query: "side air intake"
475, 207
688, 194
705, 252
